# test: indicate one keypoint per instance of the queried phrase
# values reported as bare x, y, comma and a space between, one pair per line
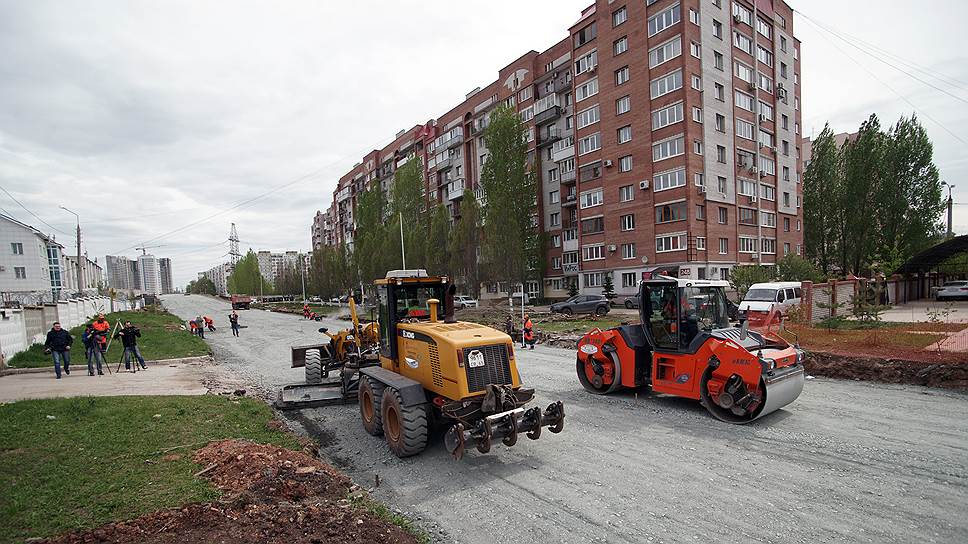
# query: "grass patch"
162, 337
381, 511
102, 458
559, 325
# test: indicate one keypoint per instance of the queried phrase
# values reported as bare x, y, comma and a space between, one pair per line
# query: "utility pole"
80, 267
950, 203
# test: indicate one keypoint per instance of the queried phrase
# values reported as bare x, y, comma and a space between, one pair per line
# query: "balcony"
563, 149
568, 177
548, 115
445, 164
569, 201
452, 142
569, 245
552, 135
570, 268
455, 190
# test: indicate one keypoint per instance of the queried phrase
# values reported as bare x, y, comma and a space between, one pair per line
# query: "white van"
763, 297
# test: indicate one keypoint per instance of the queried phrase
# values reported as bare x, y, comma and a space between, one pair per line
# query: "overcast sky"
145, 117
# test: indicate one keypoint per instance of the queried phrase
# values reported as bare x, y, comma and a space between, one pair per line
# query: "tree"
744, 276
246, 278
373, 248
465, 243
407, 202
201, 286
820, 181
793, 267
608, 287
864, 174
511, 244
437, 242
331, 272
572, 288
289, 280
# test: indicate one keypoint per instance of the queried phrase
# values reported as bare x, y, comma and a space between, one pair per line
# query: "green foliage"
289, 281
201, 286
330, 272
608, 287
793, 267
102, 459
437, 242
573, 288
874, 202
246, 278
373, 250
465, 243
408, 203
743, 276
511, 244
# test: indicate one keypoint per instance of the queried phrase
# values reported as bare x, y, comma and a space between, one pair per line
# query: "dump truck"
684, 346
241, 302
416, 366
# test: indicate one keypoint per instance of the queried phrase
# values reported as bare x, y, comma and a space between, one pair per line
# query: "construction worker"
305, 311
193, 328
58, 344
209, 323
129, 339
527, 335
234, 321
200, 327
87, 338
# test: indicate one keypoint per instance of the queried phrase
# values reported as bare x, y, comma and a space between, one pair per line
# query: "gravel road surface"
846, 462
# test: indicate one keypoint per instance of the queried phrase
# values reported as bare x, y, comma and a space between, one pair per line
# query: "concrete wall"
21, 328
34, 324
13, 334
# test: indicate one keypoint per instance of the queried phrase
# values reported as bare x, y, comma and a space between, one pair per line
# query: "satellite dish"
645, 259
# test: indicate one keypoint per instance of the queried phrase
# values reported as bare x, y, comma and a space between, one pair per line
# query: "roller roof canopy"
933, 256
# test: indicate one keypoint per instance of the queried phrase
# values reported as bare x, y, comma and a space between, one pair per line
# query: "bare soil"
889, 370
270, 495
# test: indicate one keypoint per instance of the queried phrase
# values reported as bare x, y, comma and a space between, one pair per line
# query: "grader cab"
417, 366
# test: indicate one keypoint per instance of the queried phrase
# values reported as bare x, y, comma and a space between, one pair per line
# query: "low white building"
220, 275
93, 275
31, 264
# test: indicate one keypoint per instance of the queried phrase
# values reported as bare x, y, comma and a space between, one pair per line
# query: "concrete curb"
83, 364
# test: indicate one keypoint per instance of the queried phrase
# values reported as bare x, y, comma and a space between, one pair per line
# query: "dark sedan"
582, 304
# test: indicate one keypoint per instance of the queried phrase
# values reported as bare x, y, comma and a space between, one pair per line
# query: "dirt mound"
272, 495
849, 367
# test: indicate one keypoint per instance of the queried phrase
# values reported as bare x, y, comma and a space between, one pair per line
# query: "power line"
879, 59
32, 213
892, 89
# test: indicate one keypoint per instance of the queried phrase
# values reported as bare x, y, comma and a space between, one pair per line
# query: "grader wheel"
314, 366
371, 404
405, 427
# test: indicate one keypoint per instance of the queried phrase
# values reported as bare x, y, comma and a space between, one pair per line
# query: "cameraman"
89, 350
59, 344
129, 339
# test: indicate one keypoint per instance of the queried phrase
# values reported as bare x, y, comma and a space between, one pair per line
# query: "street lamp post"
950, 187
80, 269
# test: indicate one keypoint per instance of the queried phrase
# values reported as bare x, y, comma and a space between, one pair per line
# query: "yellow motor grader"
411, 369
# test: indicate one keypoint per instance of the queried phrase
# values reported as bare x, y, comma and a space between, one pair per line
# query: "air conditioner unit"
612, 247
702, 189
762, 173
737, 18
751, 86
644, 185
752, 198
607, 163
752, 170
762, 118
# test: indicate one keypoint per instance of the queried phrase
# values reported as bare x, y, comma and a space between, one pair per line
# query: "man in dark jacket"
92, 351
234, 321
59, 344
129, 339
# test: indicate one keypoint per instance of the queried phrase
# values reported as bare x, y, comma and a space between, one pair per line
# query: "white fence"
19, 328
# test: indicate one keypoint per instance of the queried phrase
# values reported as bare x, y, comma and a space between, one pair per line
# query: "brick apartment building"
664, 134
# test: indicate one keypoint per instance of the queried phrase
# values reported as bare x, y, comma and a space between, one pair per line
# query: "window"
744, 101
589, 116
786, 224
586, 62
783, 70
667, 116
747, 187
764, 56
700, 243
622, 75
700, 212
670, 212
586, 89
782, 22
723, 248
556, 263
17, 248
699, 179
625, 163
766, 111
586, 35
20, 272
669, 180
697, 114
721, 184
720, 122
695, 50
769, 246
555, 219
717, 29
747, 244
696, 82
665, 84
554, 197
623, 105
786, 199
628, 278
743, 42
553, 174
718, 60
743, 72
746, 216
786, 173
767, 165
591, 199
593, 279
665, 52
721, 154
720, 92
767, 193
626, 193
664, 19
786, 148
744, 14
670, 242
744, 129
593, 225
620, 46
697, 147
590, 171
785, 122
619, 16
694, 17
723, 216
526, 114
767, 219
765, 82
786, 248
764, 28
593, 253
668, 148
627, 222
590, 143
570, 234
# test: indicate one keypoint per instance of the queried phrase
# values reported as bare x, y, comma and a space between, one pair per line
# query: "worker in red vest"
527, 336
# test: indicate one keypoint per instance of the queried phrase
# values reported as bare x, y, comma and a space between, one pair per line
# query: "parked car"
582, 304
952, 290
632, 302
464, 301
763, 297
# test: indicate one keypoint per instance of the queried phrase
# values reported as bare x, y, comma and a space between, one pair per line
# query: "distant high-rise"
164, 265
150, 274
